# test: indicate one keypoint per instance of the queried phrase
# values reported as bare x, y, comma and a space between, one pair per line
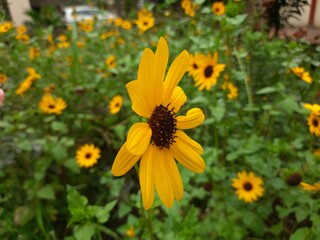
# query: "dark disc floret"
163, 124
247, 186
208, 71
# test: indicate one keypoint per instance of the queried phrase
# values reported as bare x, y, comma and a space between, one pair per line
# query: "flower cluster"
28, 81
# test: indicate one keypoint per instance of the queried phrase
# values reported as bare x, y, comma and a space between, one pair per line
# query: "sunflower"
218, 8
145, 22
208, 71
160, 140
5, 27
302, 74
3, 78
194, 62
87, 155
248, 186
127, 25
314, 124
111, 61
310, 187
115, 104
52, 105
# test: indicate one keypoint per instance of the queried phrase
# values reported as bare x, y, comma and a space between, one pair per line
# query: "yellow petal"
186, 155
193, 119
187, 140
161, 60
150, 86
161, 177
138, 138
146, 178
178, 99
174, 175
123, 162
138, 99
175, 73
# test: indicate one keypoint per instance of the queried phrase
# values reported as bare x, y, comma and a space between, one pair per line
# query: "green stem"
246, 78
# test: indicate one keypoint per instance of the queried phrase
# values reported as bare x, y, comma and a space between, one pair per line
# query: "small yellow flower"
33, 53
233, 90
218, 8
145, 20
314, 124
21, 29
310, 187
115, 104
302, 74
111, 61
52, 105
23, 37
3, 78
5, 27
208, 71
87, 155
127, 25
130, 232
248, 186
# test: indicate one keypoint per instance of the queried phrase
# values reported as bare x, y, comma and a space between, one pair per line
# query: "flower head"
314, 124
302, 74
111, 61
3, 78
115, 104
52, 105
248, 186
314, 108
5, 26
145, 20
218, 8
208, 71
87, 155
310, 187
160, 140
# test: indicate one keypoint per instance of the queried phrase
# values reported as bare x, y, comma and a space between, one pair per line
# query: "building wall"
18, 9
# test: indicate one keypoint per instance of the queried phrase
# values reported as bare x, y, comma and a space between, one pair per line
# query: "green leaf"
300, 234
266, 90
84, 231
289, 105
104, 213
59, 127
76, 202
46, 192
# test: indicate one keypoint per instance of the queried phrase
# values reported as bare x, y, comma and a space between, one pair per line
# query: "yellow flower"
86, 25
189, 7
23, 37
130, 232
314, 108
208, 71
5, 27
233, 90
111, 61
127, 25
21, 29
80, 44
145, 22
109, 34
218, 8
160, 141
118, 21
33, 74
3, 78
314, 124
33, 53
302, 74
115, 104
248, 186
52, 105
25, 85
87, 155
310, 187
195, 59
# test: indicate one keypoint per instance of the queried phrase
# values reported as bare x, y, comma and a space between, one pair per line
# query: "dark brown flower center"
163, 124
51, 106
88, 155
247, 186
195, 66
208, 71
145, 23
315, 122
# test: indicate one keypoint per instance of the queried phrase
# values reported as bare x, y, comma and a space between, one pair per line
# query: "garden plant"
183, 120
